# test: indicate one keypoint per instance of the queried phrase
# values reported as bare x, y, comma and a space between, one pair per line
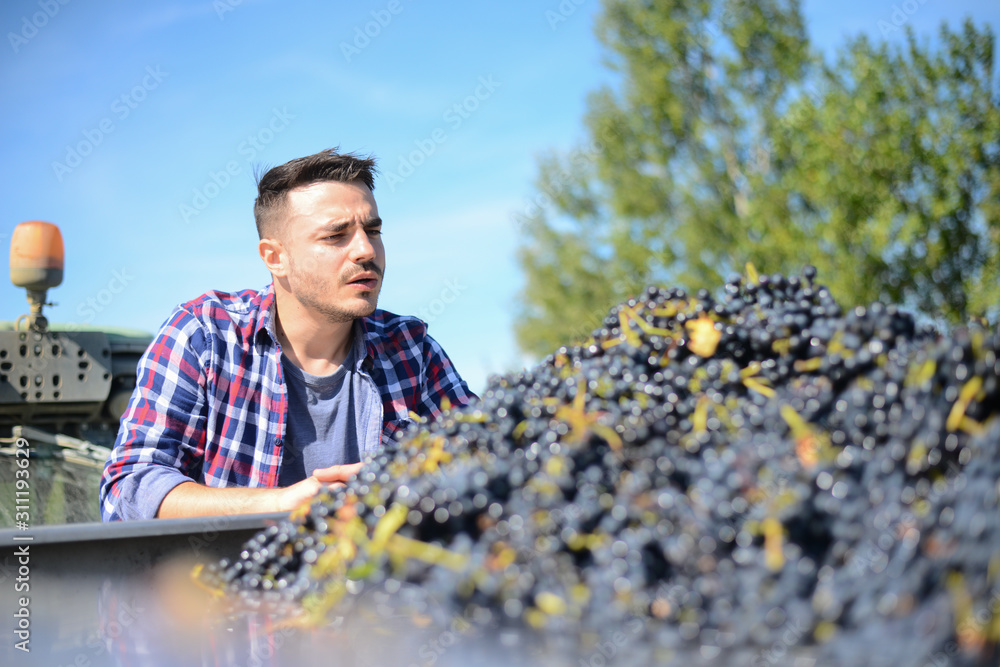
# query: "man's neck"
310, 341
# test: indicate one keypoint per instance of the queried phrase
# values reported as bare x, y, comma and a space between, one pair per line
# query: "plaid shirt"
210, 402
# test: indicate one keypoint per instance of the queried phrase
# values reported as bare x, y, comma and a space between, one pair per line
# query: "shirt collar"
366, 360
363, 356
266, 309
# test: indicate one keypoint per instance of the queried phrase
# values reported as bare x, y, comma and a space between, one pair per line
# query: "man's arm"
192, 499
160, 448
161, 440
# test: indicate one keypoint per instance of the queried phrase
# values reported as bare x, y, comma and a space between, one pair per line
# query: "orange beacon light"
36, 264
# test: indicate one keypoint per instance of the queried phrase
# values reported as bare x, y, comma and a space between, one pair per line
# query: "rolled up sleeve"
161, 439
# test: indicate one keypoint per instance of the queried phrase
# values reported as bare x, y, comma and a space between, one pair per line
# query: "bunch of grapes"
759, 474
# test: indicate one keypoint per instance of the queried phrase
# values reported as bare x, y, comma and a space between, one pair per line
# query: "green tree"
727, 139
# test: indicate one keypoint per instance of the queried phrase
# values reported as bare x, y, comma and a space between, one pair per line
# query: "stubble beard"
307, 292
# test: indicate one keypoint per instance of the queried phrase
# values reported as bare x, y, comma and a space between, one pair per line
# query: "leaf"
703, 337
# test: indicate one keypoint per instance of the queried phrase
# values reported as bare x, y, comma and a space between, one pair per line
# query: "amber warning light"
36, 264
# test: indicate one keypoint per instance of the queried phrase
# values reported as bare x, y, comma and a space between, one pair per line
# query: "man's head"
320, 233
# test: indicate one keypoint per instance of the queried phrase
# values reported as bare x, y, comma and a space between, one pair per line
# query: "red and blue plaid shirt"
210, 403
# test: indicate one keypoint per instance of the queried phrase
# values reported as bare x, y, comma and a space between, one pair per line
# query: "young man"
252, 401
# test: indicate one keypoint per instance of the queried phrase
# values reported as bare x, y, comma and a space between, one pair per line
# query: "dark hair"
327, 165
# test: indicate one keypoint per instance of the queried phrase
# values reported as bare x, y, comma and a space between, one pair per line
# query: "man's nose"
362, 249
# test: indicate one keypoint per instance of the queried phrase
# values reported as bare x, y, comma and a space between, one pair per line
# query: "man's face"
332, 235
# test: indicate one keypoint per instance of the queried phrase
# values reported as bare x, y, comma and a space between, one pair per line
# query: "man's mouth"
366, 281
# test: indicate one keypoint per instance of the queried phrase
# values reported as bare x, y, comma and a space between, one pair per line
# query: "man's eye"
375, 232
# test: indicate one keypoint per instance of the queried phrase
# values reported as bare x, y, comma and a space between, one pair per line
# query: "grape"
754, 478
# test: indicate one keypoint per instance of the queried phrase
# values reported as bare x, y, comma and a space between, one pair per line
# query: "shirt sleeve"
161, 439
441, 380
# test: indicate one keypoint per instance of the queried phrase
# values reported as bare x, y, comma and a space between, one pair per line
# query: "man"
253, 401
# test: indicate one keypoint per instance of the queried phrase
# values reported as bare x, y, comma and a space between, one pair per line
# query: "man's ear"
275, 258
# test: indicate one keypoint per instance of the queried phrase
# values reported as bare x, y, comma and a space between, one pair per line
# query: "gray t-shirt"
327, 417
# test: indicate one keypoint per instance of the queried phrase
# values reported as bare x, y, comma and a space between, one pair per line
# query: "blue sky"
136, 128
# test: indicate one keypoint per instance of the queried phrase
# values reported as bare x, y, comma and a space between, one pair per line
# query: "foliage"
727, 140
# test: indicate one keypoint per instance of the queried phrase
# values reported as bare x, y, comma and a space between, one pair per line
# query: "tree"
729, 140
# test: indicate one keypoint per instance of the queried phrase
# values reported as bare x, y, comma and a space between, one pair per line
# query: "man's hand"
192, 499
337, 473
301, 492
